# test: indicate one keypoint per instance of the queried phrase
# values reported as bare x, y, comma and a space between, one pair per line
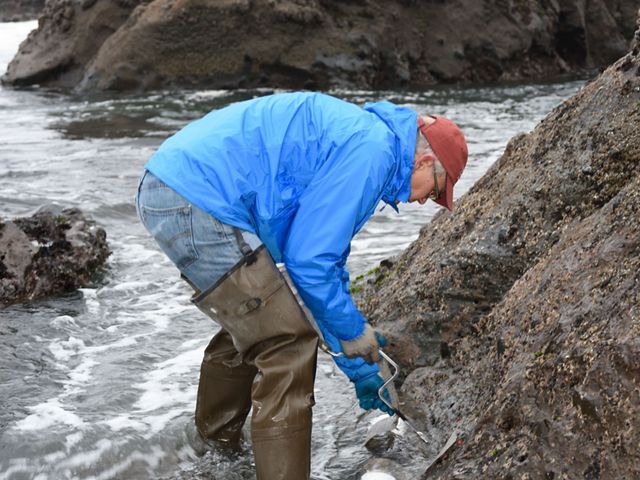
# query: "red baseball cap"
449, 145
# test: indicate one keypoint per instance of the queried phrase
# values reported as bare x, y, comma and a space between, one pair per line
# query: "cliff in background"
517, 318
20, 10
316, 44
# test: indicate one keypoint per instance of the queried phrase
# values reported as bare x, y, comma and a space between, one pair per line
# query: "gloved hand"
365, 346
367, 393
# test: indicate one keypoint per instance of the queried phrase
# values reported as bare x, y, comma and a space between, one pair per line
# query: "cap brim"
446, 198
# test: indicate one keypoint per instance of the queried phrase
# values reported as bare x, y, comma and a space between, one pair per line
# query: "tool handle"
389, 381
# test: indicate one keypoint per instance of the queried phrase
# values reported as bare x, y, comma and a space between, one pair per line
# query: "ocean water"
101, 383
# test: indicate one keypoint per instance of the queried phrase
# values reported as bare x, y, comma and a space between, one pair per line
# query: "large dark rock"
316, 43
20, 10
517, 318
69, 35
51, 252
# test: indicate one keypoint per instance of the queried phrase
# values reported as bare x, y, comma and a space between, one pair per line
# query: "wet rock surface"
50, 252
20, 10
517, 318
69, 35
316, 44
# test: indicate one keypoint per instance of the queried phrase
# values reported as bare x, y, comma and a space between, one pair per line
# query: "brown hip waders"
265, 335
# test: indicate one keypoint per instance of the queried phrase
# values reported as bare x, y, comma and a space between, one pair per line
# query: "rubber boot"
282, 401
224, 393
269, 330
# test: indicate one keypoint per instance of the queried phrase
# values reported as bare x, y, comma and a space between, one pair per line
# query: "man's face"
424, 183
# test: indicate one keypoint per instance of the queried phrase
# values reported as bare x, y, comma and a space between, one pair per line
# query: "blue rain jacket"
303, 171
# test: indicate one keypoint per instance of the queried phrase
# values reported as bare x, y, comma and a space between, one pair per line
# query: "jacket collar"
402, 121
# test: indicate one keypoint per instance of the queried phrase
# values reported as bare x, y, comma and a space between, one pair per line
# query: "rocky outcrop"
51, 252
518, 317
143, 44
20, 10
69, 35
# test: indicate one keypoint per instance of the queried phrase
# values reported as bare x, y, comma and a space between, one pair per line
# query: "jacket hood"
403, 122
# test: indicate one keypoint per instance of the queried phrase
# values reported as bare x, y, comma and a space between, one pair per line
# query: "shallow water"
101, 383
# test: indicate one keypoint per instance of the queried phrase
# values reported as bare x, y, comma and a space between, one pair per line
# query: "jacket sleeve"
342, 195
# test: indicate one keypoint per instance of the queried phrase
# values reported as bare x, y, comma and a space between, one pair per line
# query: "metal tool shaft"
402, 416
389, 381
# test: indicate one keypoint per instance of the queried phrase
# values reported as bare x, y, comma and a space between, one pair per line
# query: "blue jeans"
202, 247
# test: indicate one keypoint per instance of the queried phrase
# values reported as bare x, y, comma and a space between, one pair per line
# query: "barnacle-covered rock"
53, 251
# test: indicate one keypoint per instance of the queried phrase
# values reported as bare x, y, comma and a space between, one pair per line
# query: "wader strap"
249, 256
191, 284
247, 252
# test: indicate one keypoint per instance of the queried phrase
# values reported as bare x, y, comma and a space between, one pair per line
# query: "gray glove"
365, 346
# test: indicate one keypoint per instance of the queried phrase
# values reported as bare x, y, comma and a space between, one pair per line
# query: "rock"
534, 285
68, 36
316, 44
20, 10
51, 252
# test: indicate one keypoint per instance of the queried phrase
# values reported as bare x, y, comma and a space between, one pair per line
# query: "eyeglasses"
435, 193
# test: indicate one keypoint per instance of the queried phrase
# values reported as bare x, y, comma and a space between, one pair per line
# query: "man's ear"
424, 160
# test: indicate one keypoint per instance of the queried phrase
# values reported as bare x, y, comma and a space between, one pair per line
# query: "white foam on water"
80, 154
123, 342
89, 458
17, 465
125, 422
81, 374
141, 254
90, 296
53, 411
161, 294
156, 310
197, 342
162, 390
63, 350
130, 285
157, 423
207, 94
377, 476
152, 459
53, 457
164, 394
73, 439
47, 414
62, 465
63, 321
